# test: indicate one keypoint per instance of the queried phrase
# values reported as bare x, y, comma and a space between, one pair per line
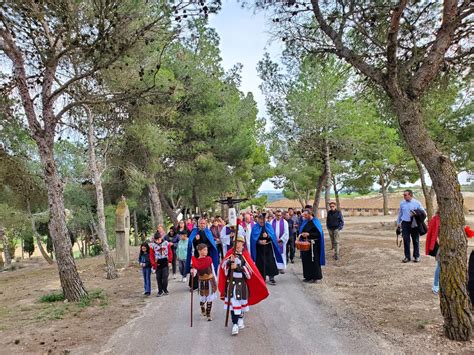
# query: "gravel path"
290, 320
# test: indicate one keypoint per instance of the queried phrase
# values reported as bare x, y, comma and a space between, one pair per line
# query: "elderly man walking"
334, 224
409, 210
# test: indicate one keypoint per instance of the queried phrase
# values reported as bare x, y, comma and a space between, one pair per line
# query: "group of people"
255, 250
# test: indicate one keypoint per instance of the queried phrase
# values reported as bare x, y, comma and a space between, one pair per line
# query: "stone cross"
122, 230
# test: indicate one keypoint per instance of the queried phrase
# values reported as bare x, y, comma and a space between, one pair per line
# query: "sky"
244, 39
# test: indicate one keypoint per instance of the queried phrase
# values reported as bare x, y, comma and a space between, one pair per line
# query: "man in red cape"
248, 288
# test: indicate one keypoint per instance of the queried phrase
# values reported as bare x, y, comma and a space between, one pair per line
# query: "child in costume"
248, 287
207, 283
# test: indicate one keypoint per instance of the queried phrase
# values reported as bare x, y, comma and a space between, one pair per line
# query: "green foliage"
29, 244
97, 294
52, 297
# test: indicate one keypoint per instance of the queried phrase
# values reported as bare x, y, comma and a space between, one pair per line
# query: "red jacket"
432, 235
153, 260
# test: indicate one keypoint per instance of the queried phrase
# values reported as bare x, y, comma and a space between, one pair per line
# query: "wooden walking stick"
231, 279
192, 293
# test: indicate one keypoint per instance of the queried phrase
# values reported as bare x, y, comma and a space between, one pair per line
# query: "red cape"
257, 288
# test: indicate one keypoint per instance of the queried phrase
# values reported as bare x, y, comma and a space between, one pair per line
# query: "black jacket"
420, 217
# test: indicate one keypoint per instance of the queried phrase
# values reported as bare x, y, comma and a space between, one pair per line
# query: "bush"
29, 245
52, 297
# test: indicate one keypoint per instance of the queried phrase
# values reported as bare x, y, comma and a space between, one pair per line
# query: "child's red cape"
257, 288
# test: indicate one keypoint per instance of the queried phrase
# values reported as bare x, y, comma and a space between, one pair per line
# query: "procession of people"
232, 260
235, 260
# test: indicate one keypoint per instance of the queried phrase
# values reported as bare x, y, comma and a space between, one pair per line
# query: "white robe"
284, 237
225, 238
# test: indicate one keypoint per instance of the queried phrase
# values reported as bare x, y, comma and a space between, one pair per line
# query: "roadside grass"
54, 306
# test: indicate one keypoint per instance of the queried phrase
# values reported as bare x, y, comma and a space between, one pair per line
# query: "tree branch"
435, 57
392, 42
342, 51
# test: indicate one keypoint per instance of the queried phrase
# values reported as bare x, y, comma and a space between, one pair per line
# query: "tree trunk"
385, 199
425, 188
135, 227
336, 193
454, 299
152, 215
6, 250
71, 283
317, 193
156, 203
36, 234
99, 193
169, 209
327, 168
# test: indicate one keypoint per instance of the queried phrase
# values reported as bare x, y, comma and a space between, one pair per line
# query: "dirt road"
289, 321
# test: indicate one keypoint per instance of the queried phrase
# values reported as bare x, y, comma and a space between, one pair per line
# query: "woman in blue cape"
312, 259
264, 249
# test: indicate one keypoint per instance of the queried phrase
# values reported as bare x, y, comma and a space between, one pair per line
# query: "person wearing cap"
334, 224
312, 260
207, 283
248, 287
264, 249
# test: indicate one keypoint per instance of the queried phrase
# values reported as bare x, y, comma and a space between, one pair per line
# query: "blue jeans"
436, 277
146, 271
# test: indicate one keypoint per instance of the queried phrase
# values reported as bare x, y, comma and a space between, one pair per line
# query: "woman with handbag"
432, 248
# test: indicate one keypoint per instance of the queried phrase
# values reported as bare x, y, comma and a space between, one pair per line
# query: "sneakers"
406, 260
185, 279
416, 260
166, 293
235, 329
240, 323
174, 276
209, 318
159, 294
272, 282
435, 290
146, 293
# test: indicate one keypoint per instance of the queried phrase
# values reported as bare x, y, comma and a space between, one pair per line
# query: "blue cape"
255, 234
213, 252
322, 254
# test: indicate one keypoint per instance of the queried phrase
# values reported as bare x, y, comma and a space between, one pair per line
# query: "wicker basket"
303, 245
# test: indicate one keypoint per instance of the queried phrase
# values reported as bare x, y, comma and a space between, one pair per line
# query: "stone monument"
122, 230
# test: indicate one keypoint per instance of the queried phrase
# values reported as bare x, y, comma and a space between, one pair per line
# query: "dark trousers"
221, 251
235, 317
173, 261
182, 267
146, 271
162, 279
470, 284
407, 233
290, 247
